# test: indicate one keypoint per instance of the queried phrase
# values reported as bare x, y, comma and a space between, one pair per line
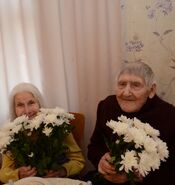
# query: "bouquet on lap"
38, 142
138, 148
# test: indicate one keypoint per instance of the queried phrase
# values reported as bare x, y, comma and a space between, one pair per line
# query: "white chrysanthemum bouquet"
38, 142
138, 148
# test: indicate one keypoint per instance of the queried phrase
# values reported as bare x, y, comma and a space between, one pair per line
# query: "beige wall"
149, 30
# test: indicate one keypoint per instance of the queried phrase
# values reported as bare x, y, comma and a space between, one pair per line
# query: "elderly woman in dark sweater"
135, 97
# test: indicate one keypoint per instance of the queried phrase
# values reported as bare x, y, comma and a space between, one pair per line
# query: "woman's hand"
138, 176
108, 170
26, 171
60, 173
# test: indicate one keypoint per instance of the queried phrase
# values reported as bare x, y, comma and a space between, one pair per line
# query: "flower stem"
131, 178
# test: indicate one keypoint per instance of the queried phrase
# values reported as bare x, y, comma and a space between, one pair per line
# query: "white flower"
59, 114
60, 121
112, 124
151, 131
47, 131
138, 124
126, 120
118, 127
50, 118
36, 122
155, 161
121, 128
31, 154
145, 163
129, 161
117, 141
17, 128
22, 119
136, 135
150, 145
162, 149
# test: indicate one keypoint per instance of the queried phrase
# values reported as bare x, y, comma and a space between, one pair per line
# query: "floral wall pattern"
148, 34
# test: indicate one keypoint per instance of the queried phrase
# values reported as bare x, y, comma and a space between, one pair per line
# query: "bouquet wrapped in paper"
137, 149
38, 142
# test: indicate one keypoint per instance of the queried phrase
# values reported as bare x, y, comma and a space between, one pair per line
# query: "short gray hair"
23, 87
140, 69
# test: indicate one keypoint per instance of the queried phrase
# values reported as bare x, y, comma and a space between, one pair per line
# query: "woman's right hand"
27, 171
108, 170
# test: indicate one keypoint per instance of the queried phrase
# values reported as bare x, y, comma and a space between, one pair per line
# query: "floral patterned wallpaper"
148, 34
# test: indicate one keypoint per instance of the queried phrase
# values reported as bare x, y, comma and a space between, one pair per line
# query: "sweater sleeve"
8, 171
76, 160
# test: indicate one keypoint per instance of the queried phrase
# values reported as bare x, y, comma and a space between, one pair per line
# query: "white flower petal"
129, 161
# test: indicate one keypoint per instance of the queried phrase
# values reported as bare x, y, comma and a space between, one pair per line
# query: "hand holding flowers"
109, 172
137, 150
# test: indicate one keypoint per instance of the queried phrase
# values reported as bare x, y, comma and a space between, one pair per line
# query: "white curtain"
70, 49
19, 55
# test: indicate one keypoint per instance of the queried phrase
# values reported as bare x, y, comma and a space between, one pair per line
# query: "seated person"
135, 97
25, 99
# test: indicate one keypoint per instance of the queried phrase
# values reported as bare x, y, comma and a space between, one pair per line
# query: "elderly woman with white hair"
135, 97
26, 99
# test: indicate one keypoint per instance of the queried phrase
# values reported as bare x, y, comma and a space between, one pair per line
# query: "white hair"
138, 68
23, 87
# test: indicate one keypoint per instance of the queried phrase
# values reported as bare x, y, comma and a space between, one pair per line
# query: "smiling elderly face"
26, 104
132, 92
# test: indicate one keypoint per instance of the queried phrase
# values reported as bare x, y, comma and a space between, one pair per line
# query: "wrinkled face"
26, 104
132, 92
